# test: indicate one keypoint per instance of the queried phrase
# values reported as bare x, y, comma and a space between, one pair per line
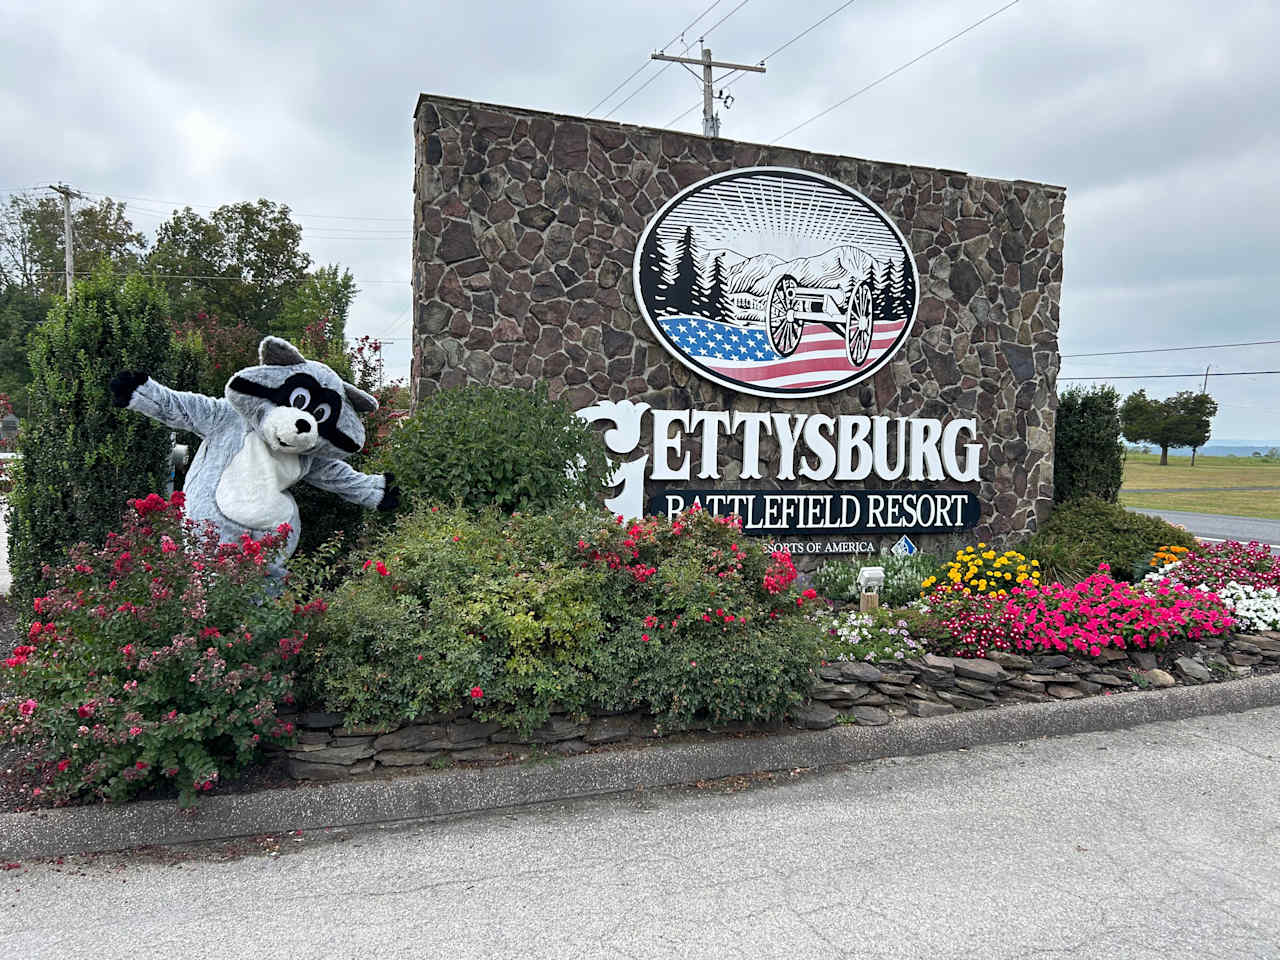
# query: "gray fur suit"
286, 420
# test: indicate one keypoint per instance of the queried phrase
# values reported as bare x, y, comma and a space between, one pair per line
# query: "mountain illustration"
836, 269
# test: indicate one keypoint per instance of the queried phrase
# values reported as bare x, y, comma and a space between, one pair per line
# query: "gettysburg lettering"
811, 446
850, 447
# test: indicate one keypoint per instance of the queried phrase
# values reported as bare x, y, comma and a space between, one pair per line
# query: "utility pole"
67, 194
710, 122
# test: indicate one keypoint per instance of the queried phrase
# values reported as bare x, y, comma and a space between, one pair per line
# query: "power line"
803, 33
706, 33
807, 30
895, 71
1165, 376
1211, 346
642, 66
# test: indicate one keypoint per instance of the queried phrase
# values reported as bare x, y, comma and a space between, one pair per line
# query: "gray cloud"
1157, 116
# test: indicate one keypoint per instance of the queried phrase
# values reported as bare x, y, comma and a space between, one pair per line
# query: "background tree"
208, 351
81, 458
21, 311
242, 263
32, 264
1088, 454
324, 297
32, 249
1183, 420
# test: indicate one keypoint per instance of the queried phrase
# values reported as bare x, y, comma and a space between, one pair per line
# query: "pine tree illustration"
653, 275
719, 306
904, 291
685, 293
875, 283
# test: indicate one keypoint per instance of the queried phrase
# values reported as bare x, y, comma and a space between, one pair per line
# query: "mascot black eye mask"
285, 420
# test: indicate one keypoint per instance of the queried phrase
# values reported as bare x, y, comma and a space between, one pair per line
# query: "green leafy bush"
80, 456
838, 579
1083, 533
1088, 453
453, 603
154, 661
525, 615
483, 446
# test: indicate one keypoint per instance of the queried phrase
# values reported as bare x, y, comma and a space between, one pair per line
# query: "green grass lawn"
1213, 485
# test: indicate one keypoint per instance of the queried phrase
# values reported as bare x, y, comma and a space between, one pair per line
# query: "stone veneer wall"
525, 228
864, 694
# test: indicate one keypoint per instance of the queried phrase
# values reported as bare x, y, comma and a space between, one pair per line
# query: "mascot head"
297, 405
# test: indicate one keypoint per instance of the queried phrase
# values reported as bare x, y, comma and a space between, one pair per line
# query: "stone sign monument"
849, 355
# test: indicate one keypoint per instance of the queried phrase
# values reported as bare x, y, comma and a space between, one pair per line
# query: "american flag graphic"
743, 354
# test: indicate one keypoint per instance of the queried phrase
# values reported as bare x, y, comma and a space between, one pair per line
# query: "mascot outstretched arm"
285, 420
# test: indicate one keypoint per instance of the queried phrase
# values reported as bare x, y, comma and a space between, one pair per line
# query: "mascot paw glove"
123, 384
391, 496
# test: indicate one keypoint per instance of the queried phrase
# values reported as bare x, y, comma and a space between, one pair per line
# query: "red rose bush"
157, 660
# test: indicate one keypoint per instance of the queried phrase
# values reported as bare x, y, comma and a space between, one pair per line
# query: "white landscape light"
871, 579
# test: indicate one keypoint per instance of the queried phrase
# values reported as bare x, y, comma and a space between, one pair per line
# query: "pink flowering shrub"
566, 611
1214, 565
1083, 619
156, 660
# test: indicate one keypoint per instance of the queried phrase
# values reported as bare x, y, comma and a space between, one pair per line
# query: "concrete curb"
50, 833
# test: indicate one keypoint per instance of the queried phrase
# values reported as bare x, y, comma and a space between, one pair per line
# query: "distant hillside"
1216, 450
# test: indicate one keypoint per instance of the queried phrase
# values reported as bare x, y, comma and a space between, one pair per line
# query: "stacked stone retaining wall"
855, 692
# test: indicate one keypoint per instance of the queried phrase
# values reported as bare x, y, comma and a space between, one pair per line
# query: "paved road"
1221, 527
1156, 843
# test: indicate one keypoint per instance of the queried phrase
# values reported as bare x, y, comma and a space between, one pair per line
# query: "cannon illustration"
790, 306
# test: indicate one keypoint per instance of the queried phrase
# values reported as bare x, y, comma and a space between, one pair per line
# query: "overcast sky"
1159, 116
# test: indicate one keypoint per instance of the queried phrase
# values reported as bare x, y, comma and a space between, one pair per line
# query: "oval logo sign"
776, 282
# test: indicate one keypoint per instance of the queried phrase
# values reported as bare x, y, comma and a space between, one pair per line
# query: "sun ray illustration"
799, 307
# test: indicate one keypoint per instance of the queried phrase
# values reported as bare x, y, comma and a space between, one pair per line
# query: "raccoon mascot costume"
286, 420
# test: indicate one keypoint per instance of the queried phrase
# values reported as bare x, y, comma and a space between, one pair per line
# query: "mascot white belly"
252, 488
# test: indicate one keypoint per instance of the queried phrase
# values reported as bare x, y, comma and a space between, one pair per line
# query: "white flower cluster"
863, 638
1256, 608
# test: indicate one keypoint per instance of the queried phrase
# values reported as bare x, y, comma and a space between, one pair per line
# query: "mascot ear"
273, 351
360, 401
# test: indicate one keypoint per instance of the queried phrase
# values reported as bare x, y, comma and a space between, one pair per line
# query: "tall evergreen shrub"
1088, 453
81, 457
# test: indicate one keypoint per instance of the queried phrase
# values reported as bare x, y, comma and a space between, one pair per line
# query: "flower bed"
159, 662
1246, 577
